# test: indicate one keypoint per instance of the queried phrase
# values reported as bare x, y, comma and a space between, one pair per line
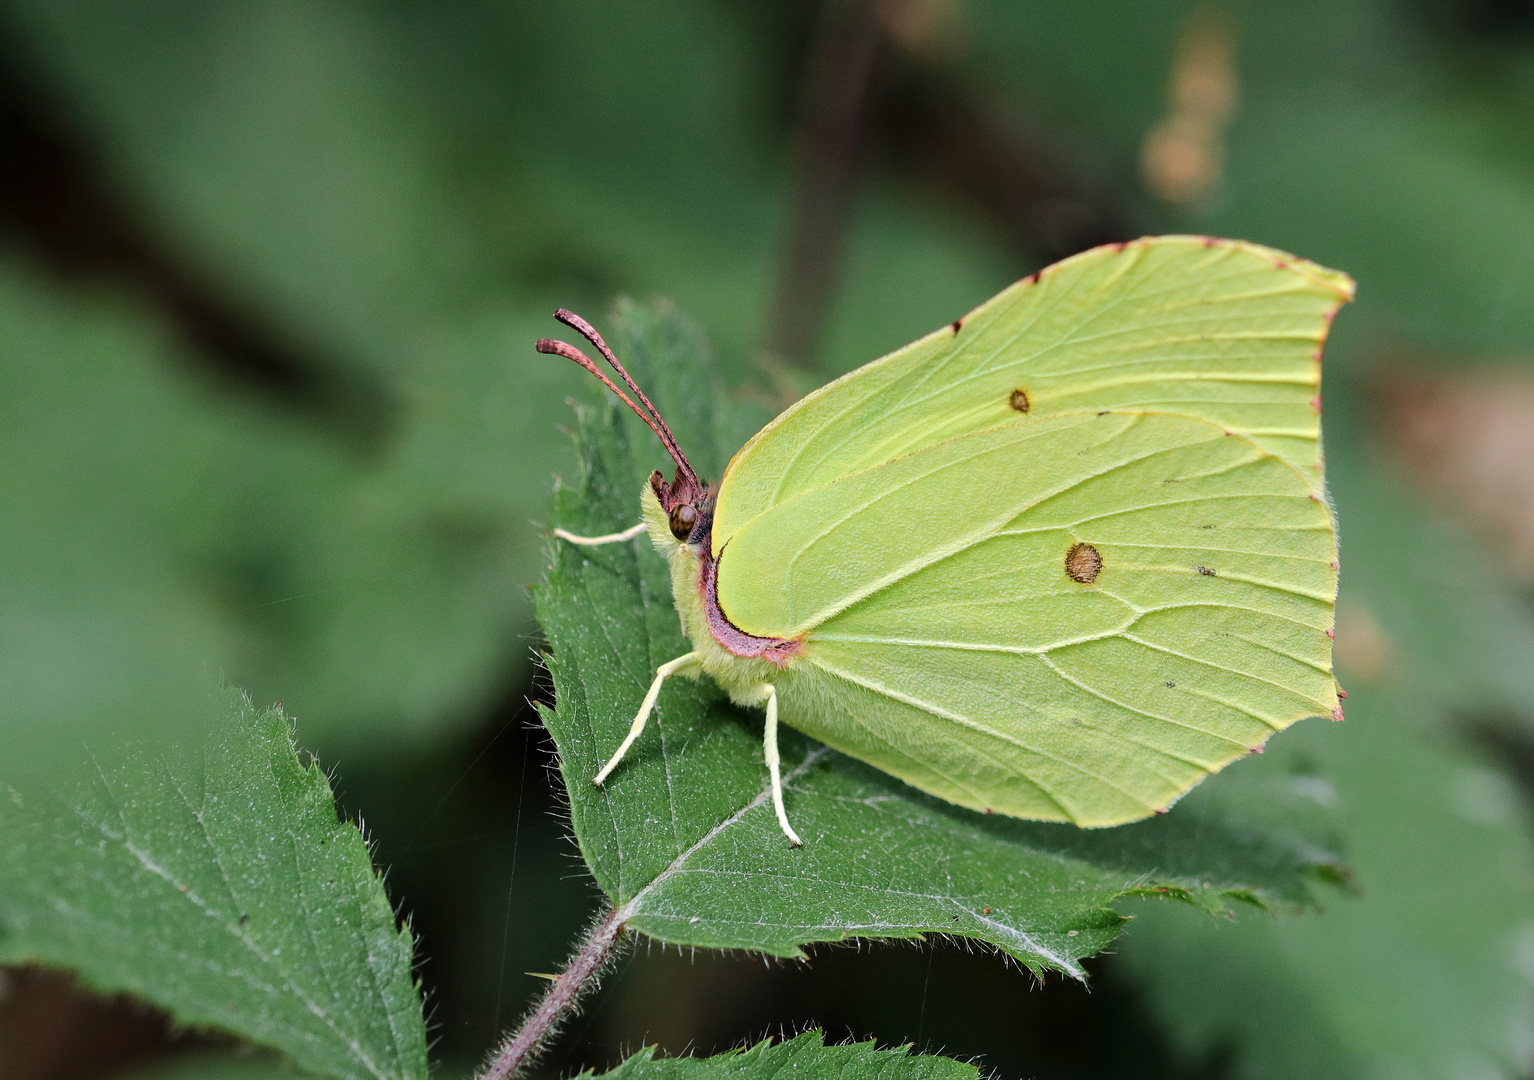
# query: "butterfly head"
688, 506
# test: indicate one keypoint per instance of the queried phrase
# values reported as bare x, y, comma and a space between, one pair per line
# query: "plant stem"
579, 976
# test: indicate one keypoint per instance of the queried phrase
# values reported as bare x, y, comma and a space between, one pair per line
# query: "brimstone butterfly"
1060, 559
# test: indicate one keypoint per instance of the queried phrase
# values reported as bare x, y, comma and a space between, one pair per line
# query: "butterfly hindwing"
947, 641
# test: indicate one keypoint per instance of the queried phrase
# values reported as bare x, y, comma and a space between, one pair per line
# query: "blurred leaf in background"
109, 465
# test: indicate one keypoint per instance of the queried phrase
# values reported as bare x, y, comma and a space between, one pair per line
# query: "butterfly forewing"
1216, 329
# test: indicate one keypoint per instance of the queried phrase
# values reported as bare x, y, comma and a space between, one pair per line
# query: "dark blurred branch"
1510, 741
60, 208
887, 77
838, 78
985, 152
579, 976
52, 1028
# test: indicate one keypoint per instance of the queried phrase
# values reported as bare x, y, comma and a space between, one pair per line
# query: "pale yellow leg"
598, 541
774, 769
662, 673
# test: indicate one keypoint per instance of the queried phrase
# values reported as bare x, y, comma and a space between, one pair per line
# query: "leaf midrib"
631, 907
196, 900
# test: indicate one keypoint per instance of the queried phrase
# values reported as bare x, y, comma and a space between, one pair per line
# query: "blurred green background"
271, 275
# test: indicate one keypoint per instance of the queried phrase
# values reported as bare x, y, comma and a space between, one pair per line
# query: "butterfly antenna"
660, 427
570, 352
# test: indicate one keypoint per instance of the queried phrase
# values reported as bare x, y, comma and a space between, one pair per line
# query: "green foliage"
160, 528
1369, 136
805, 1057
216, 881
107, 462
1423, 971
682, 838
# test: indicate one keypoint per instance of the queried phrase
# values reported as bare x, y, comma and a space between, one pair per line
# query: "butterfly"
1060, 559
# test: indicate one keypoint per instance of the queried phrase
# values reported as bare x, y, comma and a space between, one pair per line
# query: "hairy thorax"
742, 664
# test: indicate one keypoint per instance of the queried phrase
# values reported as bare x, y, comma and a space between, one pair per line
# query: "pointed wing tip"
1336, 282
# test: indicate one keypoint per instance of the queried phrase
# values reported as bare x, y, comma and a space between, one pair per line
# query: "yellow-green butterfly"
1061, 559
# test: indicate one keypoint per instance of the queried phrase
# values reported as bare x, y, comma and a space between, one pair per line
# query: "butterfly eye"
683, 518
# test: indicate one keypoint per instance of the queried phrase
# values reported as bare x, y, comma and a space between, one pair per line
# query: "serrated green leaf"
683, 838
216, 882
804, 1057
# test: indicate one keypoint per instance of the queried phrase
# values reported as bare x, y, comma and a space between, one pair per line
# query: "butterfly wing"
1069, 614
1223, 330
1076, 618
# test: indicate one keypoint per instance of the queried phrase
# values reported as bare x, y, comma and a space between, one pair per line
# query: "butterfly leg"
662, 673
774, 768
597, 541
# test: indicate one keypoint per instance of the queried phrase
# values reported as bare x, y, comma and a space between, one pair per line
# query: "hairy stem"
580, 975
